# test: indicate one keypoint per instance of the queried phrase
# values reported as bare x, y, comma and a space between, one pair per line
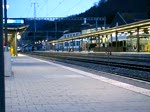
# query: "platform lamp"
18, 38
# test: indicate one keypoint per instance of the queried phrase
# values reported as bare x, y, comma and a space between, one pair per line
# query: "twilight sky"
48, 8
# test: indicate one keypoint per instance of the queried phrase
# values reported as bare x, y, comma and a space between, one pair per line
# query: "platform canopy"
13, 32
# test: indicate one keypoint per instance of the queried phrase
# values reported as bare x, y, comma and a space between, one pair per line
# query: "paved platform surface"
39, 86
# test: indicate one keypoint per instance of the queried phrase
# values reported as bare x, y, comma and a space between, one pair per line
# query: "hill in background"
128, 9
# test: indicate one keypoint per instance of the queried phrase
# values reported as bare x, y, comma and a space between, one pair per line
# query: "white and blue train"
69, 45
77, 44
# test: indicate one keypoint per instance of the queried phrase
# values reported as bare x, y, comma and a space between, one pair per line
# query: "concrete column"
91, 38
13, 46
79, 45
49, 46
62, 46
59, 46
88, 43
15, 50
67, 45
102, 41
86, 46
54, 47
99, 42
82, 46
116, 41
111, 40
138, 40
72, 45
106, 41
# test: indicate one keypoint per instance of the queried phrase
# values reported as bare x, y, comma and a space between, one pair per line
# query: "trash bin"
7, 63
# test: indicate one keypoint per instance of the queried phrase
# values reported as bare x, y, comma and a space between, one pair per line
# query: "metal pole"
96, 25
6, 31
2, 84
105, 22
35, 20
122, 17
72, 46
55, 29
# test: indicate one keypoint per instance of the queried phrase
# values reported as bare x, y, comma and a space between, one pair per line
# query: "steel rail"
99, 60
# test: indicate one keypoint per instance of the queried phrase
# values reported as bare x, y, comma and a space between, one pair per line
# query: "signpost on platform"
2, 84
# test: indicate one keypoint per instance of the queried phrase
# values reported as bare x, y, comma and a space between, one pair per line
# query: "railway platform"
44, 86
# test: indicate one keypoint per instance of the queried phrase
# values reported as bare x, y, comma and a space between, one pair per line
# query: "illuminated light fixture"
119, 34
141, 29
7, 6
122, 34
100, 36
133, 31
128, 34
141, 32
113, 34
18, 36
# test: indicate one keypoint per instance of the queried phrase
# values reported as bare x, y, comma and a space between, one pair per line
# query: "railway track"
109, 63
133, 63
122, 61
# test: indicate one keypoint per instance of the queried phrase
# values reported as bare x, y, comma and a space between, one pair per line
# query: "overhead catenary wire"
42, 6
27, 10
56, 7
72, 7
